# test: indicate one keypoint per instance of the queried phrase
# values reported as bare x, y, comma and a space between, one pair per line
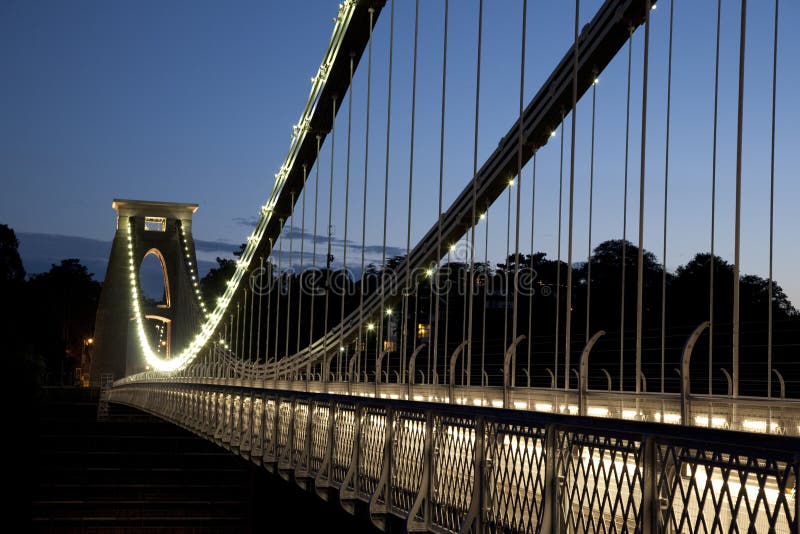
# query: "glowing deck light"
716, 422
669, 418
388, 311
758, 425
553, 133
370, 326
597, 411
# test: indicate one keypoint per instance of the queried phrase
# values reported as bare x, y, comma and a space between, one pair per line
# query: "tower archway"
145, 230
153, 279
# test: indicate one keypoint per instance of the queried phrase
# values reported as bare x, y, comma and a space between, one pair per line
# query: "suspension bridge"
417, 382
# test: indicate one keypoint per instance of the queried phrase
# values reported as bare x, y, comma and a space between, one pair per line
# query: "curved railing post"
508, 372
781, 382
350, 372
452, 378
608, 378
412, 364
379, 367
326, 369
552, 378
729, 380
583, 371
686, 357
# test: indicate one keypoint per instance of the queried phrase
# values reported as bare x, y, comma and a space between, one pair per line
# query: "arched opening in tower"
153, 280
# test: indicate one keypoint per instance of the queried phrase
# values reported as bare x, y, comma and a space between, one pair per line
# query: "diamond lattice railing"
601, 490
711, 490
343, 441
319, 435
454, 473
516, 477
407, 455
373, 437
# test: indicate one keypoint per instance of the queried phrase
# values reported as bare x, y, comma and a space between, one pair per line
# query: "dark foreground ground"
136, 473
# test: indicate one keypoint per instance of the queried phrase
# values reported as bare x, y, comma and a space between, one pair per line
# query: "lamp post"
85, 360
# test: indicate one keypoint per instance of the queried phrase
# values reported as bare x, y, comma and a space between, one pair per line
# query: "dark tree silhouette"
62, 304
213, 284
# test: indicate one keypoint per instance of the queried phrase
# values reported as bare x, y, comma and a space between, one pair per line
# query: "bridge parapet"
444, 467
747, 414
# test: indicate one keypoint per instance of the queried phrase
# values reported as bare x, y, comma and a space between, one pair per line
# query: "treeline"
47, 319
541, 313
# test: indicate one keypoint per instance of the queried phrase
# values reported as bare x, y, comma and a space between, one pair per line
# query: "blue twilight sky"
193, 101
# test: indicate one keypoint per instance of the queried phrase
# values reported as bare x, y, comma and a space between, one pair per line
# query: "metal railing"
748, 414
456, 468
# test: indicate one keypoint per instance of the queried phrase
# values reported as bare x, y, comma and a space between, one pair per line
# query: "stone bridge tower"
164, 230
